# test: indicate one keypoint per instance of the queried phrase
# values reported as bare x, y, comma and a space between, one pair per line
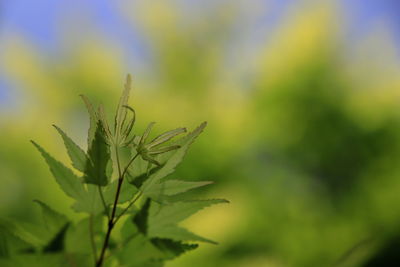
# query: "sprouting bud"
148, 150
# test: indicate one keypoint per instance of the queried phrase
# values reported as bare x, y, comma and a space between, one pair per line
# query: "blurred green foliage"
303, 138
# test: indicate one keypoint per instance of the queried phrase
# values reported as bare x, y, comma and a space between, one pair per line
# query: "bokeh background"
302, 99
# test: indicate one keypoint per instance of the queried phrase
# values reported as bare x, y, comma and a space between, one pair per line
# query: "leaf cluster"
121, 179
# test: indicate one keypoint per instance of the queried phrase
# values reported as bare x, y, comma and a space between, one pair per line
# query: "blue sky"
363, 14
38, 21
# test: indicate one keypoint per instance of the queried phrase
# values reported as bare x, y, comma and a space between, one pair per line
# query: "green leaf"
172, 248
10, 244
162, 138
174, 187
67, 180
146, 133
125, 138
57, 243
162, 150
178, 211
174, 160
87, 200
127, 192
55, 226
141, 218
47, 236
128, 229
93, 120
102, 117
28, 233
151, 160
53, 221
99, 155
76, 154
137, 172
78, 237
4, 245
163, 219
140, 252
91, 202
47, 260
177, 233
121, 113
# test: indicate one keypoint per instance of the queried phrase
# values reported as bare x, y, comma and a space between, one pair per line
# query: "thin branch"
122, 245
136, 197
104, 202
93, 244
128, 207
118, 163
111, 222
129, 164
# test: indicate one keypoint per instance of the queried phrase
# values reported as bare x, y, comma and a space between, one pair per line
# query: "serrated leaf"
49, 235
174, 160
162, 150
162, 138
76, 154
138, 171
177, 233
78, 237
172, 248
178, 211
121, 113
47, 260
53, 221
4, 245
99, 155
11, 244
174, 187
128, 229
127, 192
68, 181
163, 219
56, 244
91, 202
141, 218
146, 133
93, 120
103, 119
150, 159
86, 200
29, 233
140, 252
125, 131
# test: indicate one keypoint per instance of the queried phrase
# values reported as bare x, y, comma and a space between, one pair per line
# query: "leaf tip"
37, 201
34, 143
223, 201
128, 82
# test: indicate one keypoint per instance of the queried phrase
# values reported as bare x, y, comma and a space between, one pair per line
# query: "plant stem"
128, 207
93, 244
104, 202
111, 221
